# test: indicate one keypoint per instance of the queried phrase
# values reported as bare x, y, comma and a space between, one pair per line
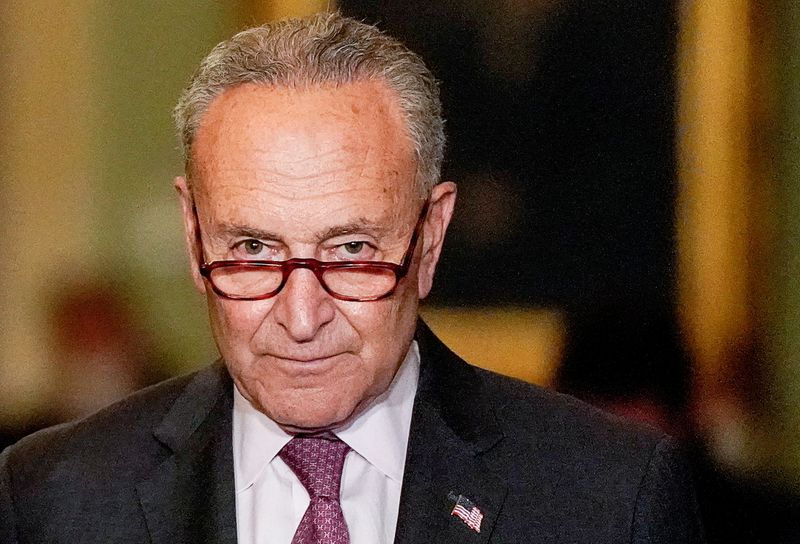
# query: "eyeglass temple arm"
199, 253
409, 256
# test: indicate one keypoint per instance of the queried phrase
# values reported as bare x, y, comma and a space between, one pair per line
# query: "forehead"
320, 148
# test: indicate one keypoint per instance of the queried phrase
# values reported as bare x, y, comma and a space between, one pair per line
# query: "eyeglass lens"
256, 281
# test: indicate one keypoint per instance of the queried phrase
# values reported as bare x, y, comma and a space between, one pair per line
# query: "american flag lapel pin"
466, 511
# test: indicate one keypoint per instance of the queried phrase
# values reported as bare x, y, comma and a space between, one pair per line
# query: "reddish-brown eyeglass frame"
317, 267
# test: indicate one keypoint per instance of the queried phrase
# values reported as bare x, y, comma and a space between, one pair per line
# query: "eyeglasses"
358, 281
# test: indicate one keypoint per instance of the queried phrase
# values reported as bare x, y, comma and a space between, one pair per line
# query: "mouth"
308, 364
305, 358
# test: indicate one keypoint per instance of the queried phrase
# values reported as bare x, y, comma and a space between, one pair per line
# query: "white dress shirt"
271, 501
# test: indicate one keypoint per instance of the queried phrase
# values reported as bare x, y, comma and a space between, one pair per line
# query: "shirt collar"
256, 441
379, 434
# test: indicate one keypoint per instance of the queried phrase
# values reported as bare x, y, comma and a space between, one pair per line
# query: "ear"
190, 227
440, 211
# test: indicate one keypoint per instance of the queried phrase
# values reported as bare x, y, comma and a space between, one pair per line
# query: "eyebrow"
232, 230
360, 226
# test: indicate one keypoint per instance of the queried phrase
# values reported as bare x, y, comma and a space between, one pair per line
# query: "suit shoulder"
113, 436
530, 412
532, 419
627, 475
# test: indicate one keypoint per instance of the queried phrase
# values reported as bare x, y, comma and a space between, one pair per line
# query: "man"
314, 219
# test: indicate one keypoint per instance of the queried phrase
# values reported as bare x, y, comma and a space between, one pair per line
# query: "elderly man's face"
323, 173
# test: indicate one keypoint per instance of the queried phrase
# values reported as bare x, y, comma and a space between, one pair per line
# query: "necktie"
317, 461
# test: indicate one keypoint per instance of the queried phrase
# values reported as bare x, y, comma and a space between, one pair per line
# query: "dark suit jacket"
542, 468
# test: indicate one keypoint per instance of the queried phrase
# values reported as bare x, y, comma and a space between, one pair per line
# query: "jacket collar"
453, 426
189, 497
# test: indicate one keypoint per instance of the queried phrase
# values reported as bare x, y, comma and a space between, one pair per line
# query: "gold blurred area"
525, 343
736, 231
261, 11
718, 230
88, 156
47, 182
714, 212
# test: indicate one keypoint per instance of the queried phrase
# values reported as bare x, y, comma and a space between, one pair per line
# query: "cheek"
235, 323
386, 329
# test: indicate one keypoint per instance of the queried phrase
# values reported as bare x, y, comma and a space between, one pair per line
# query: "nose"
303, 307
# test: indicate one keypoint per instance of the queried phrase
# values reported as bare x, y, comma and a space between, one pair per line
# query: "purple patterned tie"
317, 461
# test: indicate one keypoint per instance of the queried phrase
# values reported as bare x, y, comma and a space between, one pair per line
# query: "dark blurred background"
561, 136
627, 227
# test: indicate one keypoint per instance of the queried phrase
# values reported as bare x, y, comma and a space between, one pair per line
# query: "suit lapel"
452, 427
189, 497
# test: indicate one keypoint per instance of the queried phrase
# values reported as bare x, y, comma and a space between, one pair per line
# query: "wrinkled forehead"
308, 134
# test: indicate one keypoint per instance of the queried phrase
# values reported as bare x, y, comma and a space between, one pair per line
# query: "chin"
312, 415
294, 425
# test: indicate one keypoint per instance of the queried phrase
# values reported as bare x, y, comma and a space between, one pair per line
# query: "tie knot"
317, 461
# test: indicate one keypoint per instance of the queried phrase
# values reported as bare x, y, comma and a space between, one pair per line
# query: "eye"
358, 250
251, 246
353, 248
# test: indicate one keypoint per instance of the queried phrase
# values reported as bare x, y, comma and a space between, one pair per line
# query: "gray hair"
326, 48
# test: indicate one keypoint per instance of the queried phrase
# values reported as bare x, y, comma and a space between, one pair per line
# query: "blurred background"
628, 225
